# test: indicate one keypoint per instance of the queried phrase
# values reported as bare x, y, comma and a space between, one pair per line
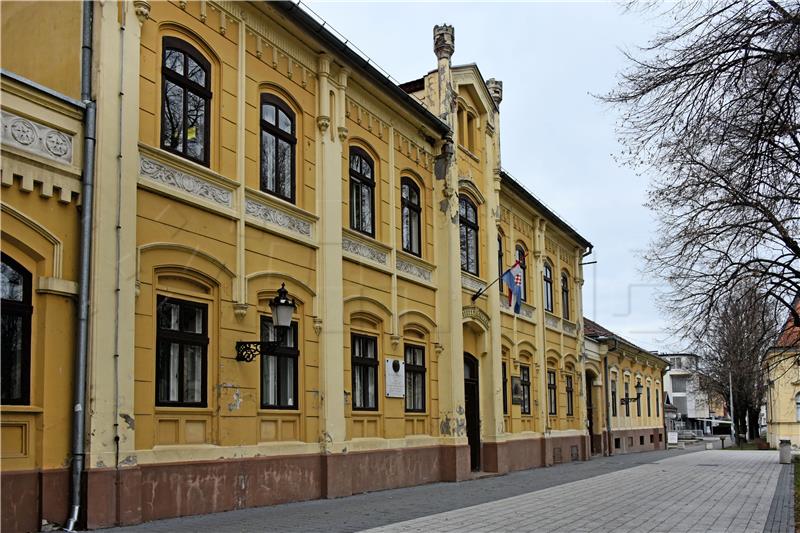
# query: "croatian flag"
513, 280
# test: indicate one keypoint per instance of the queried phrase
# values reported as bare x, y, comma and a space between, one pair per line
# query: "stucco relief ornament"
142, 8
343, 133
323, 123
23, 131
184, 182
277, 217
56, 143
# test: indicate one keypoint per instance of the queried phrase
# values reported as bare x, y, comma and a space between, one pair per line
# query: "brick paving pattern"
724, 491
619, 493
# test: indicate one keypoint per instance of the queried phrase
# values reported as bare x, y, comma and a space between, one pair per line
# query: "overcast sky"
556, 138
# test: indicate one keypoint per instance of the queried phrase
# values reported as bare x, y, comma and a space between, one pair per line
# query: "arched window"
16, 311
410, 212
185, 100
565, 295
500, 269
548, 287
468, 221
362, 192
519, 255
278, 140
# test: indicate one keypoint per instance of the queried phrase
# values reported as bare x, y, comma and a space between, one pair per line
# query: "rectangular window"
279, 367
649, 412
613, 397
15, 342
552, 397
658, 403
638, 406
415, 378
627, 397
525, 380
364, 362
182, 343
505, 390
570, 401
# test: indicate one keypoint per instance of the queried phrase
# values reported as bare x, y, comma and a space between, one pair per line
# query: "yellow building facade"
242, 149
782, 370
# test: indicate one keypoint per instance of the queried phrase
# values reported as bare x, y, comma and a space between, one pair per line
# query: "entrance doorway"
590, 410
472, 410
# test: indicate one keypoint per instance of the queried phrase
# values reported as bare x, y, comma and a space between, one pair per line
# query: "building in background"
696, 412
782, 369
621, 420
243, 149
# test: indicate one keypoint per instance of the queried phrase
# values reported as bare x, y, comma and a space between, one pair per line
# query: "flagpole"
483, 290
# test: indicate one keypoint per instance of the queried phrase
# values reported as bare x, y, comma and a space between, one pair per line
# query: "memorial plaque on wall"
395, 378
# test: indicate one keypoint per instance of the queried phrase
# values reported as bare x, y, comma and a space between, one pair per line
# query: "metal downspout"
87, 212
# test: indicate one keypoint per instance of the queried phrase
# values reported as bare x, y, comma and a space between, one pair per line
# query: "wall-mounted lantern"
282, 308
627, 399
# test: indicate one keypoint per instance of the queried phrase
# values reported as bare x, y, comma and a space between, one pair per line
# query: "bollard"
785, 451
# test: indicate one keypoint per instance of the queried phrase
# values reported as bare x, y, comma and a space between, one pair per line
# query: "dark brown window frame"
279, 134
470, 225
658, 403
374, 364
613, 397
24, 310
548, 287
281, 352
649, 410
570, 395
407, 204
525, 381
519, 255
418, 370
500, 269
626, 387
552, 393
187, 85
505, 388
359, 179
565, 295
182, 338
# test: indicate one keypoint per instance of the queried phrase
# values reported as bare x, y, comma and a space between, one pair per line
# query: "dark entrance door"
472, 408
590, 411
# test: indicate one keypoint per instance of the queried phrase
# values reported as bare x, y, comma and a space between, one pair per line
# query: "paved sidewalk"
706, 491
654, 489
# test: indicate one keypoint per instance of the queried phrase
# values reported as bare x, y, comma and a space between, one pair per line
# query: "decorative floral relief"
37, 138
364, 250
527, 310
472, 284
187, 183
570, 328
414, 270
277, 217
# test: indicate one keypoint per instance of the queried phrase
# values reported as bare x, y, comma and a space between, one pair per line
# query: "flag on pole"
513, 280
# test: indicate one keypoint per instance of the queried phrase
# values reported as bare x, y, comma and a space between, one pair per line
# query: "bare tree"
710, 108
741, 329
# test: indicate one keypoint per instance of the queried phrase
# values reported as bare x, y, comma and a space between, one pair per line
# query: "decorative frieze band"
414, 270
471, 283
525, 310
193, 185
477, 314
570, 328
36, 138
364, 250
552, 321
272, 215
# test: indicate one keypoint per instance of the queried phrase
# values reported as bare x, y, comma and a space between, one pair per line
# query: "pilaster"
111, 426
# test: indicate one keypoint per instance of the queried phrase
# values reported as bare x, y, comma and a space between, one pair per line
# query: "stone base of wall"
523, 454
142, 493
637, 440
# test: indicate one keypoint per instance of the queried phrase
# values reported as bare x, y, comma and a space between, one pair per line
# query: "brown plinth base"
636, 440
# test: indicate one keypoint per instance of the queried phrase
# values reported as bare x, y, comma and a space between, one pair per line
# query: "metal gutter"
308, 23
84, 279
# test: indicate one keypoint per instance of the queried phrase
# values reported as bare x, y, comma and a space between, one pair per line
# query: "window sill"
164, 409
469, 153
266, 411
10, 408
